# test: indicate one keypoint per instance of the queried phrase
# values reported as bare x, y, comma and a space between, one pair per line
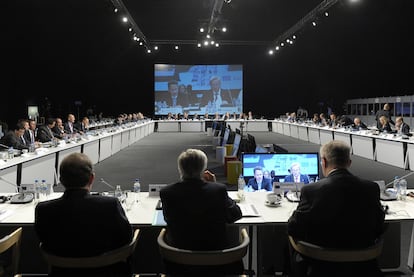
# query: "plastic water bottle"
118, 193
43, 189
403, 190
396, 185
137, 189
11, 152
241, 184
36, 188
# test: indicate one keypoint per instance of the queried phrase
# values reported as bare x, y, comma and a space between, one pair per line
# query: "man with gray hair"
340, 211
197, 209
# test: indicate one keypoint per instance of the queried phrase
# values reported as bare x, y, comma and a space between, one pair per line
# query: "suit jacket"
208, 96
303, 178
66, 126
182, 100
266, 184
339, 211
79, 224
197, 214
404, 129
44, 134
10, 139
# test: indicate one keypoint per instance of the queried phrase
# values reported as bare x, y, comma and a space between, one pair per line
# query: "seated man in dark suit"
45, 133
14, 138
79, 224
175, 98
197, 209
402, 128
295, 175
216, 96
326, 217
359, 125
258, 182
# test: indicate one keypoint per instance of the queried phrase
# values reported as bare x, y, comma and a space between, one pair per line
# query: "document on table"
5, 213
248, 210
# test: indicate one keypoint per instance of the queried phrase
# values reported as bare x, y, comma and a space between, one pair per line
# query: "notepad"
248, 210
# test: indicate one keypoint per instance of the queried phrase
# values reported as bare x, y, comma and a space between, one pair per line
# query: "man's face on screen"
258, 175
173, 89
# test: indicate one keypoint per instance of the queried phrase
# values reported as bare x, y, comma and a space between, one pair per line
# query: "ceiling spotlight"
176, 47
201, 30
199, 45
141, 43
227, 1
205, 43
313, 23
115, 10
293, 37
155, 47
224, 29
148, 51
326, 14
207, 36
277, 48
212, 42
271, 52
124, 19
217, 44
130, 29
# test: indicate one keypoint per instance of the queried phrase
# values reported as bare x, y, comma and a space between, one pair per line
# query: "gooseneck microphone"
108, 184
20, 198
386, 195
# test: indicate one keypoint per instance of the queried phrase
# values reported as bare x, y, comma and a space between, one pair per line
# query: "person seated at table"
324, 214
79, 224
401, 127
359, 125
295, 175
197, 209
14, 138
384, 126
258, 182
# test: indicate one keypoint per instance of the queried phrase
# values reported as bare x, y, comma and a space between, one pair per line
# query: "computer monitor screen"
236, 143
225, 136
283, 167
190, 88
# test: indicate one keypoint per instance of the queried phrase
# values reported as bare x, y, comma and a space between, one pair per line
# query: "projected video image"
198, 89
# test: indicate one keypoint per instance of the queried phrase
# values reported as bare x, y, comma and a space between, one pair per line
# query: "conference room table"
143, 215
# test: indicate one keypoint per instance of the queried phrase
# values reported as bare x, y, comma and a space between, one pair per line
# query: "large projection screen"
198, 89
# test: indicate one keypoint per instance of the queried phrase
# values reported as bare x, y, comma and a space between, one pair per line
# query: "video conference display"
198, 89
281, 165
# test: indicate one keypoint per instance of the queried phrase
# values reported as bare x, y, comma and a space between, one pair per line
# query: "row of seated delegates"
124, 118
63, 234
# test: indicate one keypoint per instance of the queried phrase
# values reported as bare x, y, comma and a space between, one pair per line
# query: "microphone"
386, 195
4, 146
106, 183
20, 198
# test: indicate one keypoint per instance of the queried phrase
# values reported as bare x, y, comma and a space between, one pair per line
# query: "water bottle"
43, 189
36, 188
137, 189
118, 193
11, 152
403, 190
241, 184
396, 185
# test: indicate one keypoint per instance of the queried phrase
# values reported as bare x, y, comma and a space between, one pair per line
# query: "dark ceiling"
68, 50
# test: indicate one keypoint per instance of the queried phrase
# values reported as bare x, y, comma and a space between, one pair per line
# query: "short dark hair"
75, 170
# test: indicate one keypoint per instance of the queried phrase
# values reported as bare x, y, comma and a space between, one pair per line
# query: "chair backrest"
336, 255
215, 257
105, 259
12, 241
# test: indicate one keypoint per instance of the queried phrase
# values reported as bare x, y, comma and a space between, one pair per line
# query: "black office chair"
121, 254
227, 261
340, 262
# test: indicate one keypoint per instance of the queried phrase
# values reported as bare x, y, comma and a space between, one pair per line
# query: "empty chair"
11, 241
196, 263
86, 263
340, 262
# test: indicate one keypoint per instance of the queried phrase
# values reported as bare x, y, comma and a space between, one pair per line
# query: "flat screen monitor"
190, 88
225, 136
236, 143
281, 167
